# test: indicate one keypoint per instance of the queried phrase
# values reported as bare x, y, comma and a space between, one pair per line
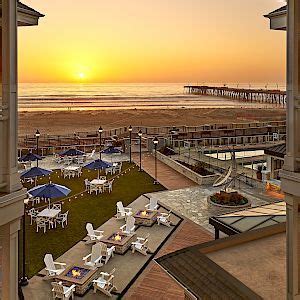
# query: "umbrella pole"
98, 173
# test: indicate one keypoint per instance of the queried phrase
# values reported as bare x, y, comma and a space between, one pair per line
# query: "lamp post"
37, 136
140, 133
24, 279
100, 130
130, 140
155, 142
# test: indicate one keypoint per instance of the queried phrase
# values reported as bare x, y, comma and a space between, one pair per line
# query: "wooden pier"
275, 97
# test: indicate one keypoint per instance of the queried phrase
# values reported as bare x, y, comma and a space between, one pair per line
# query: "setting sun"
81, 75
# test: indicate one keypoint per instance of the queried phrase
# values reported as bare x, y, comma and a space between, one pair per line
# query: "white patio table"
49, 213
98, 182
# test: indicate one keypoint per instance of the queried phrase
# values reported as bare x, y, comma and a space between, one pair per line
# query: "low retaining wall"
201, 180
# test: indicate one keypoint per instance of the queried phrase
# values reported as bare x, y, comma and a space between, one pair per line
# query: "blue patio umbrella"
35, 172
30, 157
71, 152
49, 191
111, 150
98, 164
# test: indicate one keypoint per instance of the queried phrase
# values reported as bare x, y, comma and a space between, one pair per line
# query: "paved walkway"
167, 176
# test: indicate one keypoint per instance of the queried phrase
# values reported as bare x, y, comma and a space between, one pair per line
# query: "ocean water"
83, 96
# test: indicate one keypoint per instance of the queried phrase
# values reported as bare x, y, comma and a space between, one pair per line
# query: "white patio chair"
93, 235
58, 159
80, 160
118, 168
123, 212
129, 227
62, 219
67, 160
53, 268
105, 283
110, 185
94, 188
87, 184
152, 205
93, 259
106, 253
106, 186
164, 219
102, 177
141, 245
56, 206
109, 171
29, 180
32, 213
41, 223
62, 292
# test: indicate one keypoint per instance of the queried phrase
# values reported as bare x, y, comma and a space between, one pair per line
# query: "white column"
9, 124
291, 171
9, 243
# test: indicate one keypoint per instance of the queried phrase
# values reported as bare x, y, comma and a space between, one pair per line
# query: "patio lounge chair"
51, 267
123, 212
93, 259
164, 219
62, 292
141, 245
93, 235
152, 204
106, 253
105, 283
129, 227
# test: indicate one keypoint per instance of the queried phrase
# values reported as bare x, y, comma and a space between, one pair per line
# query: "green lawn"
82, 208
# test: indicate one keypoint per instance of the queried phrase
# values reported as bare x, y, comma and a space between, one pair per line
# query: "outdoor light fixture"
37, 135
140, 133
155, 142
130, 143
100, 130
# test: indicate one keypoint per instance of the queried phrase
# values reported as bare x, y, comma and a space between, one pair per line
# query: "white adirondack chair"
141, 245
105, 283
129, 227
152, 205
53, 268
164, 219
93, 259
93, 235
62, 292
106, 253
123, 212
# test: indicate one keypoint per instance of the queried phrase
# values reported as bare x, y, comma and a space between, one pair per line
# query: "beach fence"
204, 135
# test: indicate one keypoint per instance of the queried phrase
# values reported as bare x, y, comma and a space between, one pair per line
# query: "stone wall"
201, 180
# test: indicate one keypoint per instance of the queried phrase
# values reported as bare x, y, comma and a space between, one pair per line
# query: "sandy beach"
61, 122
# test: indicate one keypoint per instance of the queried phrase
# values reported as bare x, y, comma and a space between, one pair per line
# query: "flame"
76, 273
144, 213
118, 238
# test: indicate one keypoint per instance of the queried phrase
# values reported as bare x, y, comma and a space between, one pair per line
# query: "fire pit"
121, 241
145, 217
81, 276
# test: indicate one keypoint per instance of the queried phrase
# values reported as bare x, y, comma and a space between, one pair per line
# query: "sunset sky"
152, 41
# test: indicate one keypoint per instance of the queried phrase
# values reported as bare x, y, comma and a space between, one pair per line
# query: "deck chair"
106, 253
152, 205
129, 227
52, 268
105, 283
141, 245
123, 212
62, 292
164, 219
93, 259
93, 235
